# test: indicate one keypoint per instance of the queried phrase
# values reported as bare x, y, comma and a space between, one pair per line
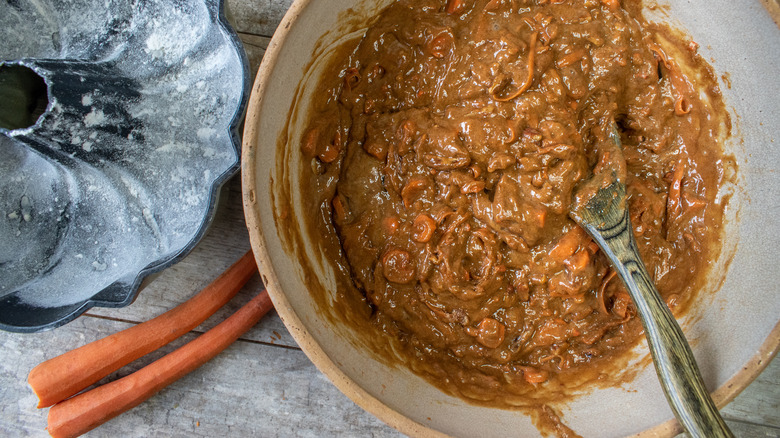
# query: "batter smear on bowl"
444, 151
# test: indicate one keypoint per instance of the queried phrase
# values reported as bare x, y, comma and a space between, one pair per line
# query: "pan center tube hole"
23, 97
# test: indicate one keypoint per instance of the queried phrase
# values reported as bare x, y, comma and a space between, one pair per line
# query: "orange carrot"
603, 290
612, 5
528, 79
61, 377
578, 261
533, 375
423, 228
92, 408
570, 58
674, 204
455, 6
567, 244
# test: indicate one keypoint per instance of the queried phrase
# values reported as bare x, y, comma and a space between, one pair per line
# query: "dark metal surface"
119, 177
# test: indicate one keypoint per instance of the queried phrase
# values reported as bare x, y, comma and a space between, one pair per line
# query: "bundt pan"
118, 126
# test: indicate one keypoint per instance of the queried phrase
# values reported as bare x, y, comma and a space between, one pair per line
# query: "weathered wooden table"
263, 385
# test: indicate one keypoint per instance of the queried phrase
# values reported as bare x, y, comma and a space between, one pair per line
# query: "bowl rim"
721, 396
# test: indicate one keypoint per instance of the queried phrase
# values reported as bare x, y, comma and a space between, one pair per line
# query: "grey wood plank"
742, 429
756, 411
748, 430
255, 49
258, 17
255, 40
759, 403
248, 390
20, 353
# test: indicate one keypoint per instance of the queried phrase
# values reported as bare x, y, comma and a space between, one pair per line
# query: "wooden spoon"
600, 208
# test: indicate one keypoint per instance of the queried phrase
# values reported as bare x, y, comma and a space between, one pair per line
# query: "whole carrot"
90, 409
63, 376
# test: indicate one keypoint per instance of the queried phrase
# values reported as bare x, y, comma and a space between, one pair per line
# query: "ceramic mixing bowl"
733, 331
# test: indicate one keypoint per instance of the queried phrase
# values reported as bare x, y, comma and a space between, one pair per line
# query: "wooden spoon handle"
673, 358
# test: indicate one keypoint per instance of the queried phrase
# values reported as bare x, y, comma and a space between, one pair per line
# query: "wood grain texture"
759, 403
255, 49
249, 390
84, 412
263, 385
257, 17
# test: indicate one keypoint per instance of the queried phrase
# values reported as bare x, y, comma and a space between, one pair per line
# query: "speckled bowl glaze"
120, 176
734, 330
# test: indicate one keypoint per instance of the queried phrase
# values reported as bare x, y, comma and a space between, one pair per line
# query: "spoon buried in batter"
600, 208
